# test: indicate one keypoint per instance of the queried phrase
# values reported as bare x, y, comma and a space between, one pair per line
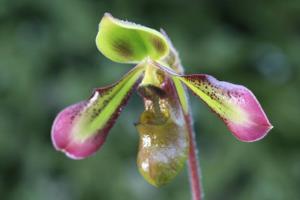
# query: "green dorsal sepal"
126, 42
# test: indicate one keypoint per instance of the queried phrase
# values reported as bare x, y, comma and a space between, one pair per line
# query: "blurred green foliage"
48, 60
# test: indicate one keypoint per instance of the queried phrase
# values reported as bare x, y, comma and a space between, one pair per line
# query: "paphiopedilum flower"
80, 129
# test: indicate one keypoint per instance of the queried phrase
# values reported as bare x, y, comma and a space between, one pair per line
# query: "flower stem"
193, 163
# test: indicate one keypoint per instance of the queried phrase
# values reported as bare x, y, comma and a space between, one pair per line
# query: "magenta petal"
257, 126
235, 104
81, 129
63, 139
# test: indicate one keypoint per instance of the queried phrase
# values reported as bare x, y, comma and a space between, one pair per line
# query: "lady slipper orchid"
165, 126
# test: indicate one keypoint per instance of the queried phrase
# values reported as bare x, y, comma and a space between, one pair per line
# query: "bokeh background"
48, 60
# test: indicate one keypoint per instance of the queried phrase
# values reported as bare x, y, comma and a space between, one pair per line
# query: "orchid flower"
165, 125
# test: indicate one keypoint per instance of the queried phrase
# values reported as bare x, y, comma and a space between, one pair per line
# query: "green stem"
193, 163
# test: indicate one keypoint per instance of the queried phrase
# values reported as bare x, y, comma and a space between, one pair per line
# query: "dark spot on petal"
158, 44
123, 48
228, 94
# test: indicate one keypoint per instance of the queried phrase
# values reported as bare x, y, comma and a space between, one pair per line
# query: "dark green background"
49, 60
